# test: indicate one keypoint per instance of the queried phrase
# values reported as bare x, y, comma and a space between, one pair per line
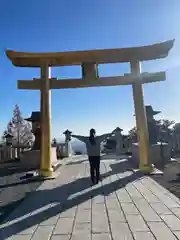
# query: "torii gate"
89, 61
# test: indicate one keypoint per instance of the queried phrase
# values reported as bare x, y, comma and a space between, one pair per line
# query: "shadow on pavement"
27, 181
103, 157
7, 209
77, 162
60, 197
8, 170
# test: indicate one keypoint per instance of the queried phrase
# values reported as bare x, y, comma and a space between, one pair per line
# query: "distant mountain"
78, 146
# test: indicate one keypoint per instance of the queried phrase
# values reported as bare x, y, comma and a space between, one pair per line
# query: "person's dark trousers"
94, 162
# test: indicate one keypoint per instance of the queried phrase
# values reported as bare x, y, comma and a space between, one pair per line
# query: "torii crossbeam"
89, 61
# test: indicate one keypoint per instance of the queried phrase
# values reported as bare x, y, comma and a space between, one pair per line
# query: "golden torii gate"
89, 61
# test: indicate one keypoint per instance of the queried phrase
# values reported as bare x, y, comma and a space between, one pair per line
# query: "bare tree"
3, 136
165, 125
20, 129
133, 134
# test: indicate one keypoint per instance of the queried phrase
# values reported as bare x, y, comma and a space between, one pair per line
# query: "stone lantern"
119, 141
159, 152
67, 134
32, 158
152, 126
68, 147
36, 128
9, 138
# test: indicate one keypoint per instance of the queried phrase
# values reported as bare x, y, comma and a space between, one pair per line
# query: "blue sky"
65, 25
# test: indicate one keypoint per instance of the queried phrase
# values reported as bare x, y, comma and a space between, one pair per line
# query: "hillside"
78, 146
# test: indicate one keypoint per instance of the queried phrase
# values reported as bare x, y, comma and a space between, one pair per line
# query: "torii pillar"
141, 121
45, 152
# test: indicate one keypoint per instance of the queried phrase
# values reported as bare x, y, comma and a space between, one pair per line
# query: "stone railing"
8, 153
173, 140
175, 143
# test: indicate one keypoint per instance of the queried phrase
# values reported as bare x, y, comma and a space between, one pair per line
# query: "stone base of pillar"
159, 154
31, 159
64, 150
69, 151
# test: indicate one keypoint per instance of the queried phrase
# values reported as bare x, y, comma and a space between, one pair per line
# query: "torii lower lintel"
128, 79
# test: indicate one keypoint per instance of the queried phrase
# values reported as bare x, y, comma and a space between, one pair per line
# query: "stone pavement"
124, 206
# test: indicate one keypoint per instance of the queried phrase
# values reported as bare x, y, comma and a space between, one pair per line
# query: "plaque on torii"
89, 61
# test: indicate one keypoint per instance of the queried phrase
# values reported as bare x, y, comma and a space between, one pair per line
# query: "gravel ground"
13, 190
171, 176
170, 179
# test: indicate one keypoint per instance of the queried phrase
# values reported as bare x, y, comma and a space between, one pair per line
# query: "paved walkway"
124, 206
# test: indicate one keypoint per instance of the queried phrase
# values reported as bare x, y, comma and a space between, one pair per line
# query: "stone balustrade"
7, 153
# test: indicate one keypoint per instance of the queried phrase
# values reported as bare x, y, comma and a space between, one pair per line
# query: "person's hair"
92, 136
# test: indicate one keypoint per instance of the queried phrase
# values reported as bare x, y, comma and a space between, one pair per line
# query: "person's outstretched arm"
79, 137
104, 136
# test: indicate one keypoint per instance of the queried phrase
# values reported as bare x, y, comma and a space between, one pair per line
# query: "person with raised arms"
93, 143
